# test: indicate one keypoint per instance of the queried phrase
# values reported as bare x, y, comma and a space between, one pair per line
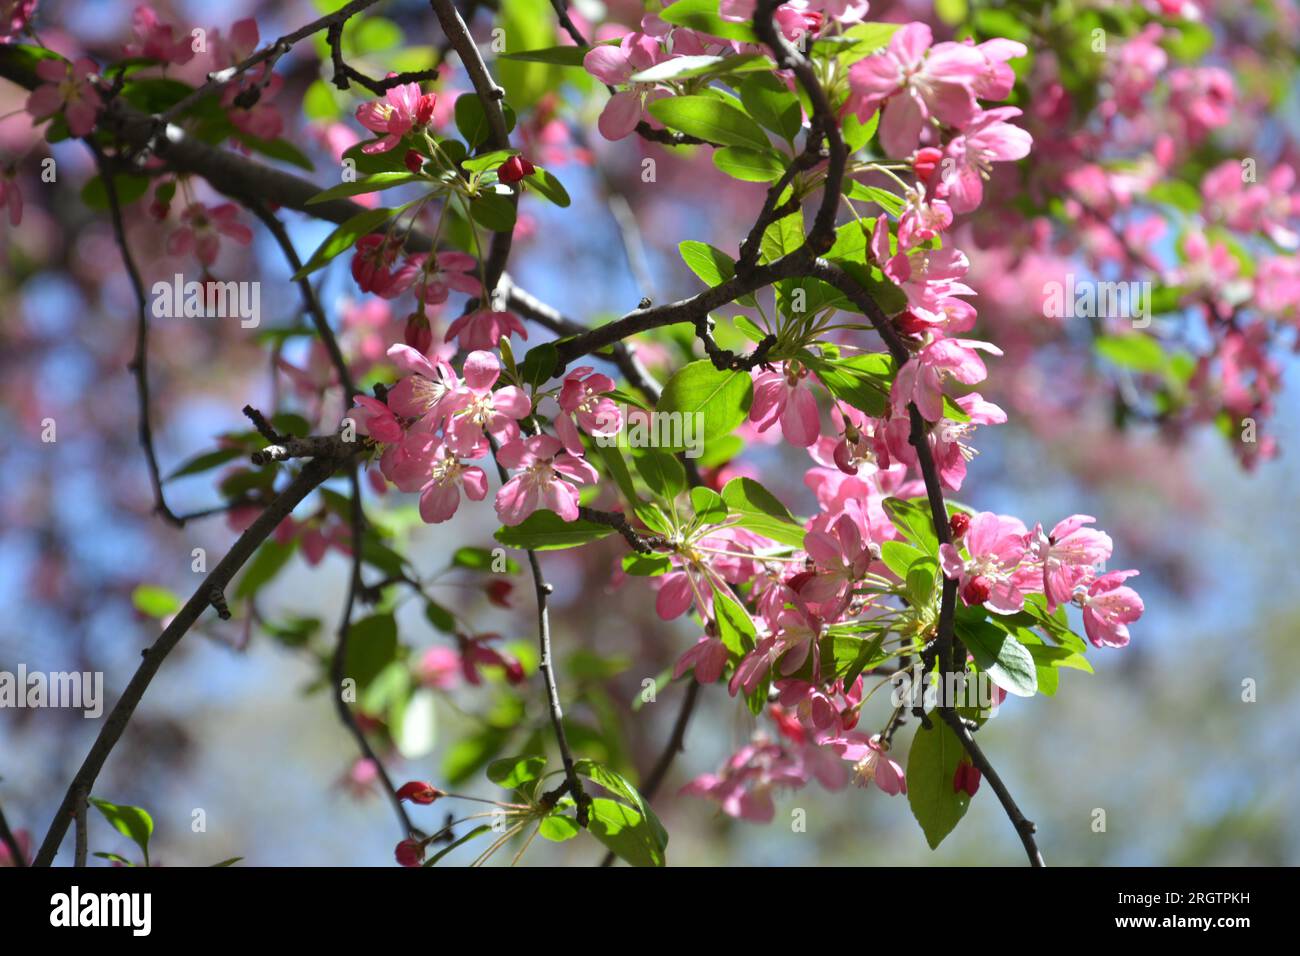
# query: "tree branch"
10, 841
315, 473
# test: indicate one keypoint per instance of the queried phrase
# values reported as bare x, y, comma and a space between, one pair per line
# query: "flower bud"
417, 334
498, 592
417, 791
977, 590
409, 853
413, 161
514, 169
926, 162
959, 523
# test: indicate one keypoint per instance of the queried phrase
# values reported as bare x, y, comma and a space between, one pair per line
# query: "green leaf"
931, 767
662, 473
1001, 656
344, 238
883, 198
547, 531
557, 828
862, 381
702, 15
513, 772
708, 505
493, 211
129, 188
915, 522
617, 784
155, 601
770, 102
539, 365
206, 462
472, 121
553, 55
712, 265
370, 184
760, 511
625, 832
710, 119
735, 626
749, 165
372, 646
900, 557
545, 183
721, 398
439, 617
1133, 350
129, 821
266, 564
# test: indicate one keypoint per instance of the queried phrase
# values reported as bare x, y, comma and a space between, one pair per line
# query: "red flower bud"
417, 333
514, 169
417, 791
909, 323
966, 778
926, 162
424, 109
413, 160
977, 590
409, 853
959, 523
514, 672
498, 592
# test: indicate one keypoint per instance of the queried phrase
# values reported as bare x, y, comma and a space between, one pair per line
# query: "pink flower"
584, 404
376, 419
430, 390
1204, 97
157, 40
14, 17
544, 465
438, 668
446, 271
485, 328
402, 109
202, 229
68, 89
744, 788
1068, 555
871, 764
928, 277
614, 66
920, 380
782, 394
998, 78
480, 411
913, 86
987, 139
440, 496
373, 266
707, 657
842, 556
1109, 606
949, 440
996, 545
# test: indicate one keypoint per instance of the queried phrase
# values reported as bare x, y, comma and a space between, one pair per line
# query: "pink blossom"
707, 657
475, 653
996, 545
987, 139
1068, 554
543, 467
480, 411
914, 87
1109, 607
157, 40
615, 66
485, 328
871, 763
402, 109
1203, 97
14, 17
440, 496
841, 555
430, 389
68, 89
443, 272
782, 394
376, 419
584, 404
373, 265
745, 786
921, 378
202, 228
438, 668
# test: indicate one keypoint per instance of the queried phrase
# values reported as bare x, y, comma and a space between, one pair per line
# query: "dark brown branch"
315, 473
139, 364
636, 540
82, 835
338, 664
